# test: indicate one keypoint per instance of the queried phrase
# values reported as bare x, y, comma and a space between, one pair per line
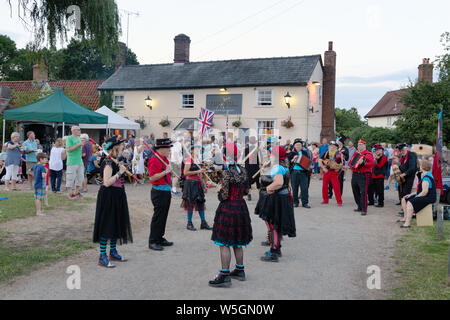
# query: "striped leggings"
275, 237
104, 243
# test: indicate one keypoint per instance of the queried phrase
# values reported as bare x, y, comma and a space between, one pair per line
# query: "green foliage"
374, 135
418, 122
347, 120
99, 21
106, 99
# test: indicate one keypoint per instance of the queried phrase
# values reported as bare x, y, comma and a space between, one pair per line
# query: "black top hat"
341, 138
163, 143
113, 141
401, 146
298, 140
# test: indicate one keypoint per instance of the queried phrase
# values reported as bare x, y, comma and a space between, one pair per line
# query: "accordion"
354, 160
303, 162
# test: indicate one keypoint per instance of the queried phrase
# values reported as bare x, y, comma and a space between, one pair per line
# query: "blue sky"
379, 43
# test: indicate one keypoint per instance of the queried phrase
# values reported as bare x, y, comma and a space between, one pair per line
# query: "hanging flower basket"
237, 123
164, 122
287, 123
141, 122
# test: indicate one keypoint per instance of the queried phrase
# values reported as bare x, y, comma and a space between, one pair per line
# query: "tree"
81, 60
423, 101
97, 20
347, 120
374, 135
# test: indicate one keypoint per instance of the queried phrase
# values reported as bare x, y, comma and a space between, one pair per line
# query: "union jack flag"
205, 118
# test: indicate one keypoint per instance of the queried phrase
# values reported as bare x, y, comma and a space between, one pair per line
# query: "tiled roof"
85, 90
389, 105
214, 74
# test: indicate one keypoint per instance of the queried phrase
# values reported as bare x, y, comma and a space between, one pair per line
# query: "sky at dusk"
379, 43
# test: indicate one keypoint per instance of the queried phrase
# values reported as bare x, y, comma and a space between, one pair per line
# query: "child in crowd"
40, 175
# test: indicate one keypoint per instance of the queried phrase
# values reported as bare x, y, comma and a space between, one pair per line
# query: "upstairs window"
264, 97
187, 101
119, 102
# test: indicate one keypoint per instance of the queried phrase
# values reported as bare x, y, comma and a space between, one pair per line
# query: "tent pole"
4, 124
63, 131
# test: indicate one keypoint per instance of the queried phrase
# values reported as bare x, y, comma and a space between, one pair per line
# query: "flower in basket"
141, 122
164, 122
287, 123
236, 123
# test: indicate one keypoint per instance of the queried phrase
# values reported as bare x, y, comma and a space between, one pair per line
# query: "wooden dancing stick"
207, 176
128, 173
160, 159
259, 171
248, 156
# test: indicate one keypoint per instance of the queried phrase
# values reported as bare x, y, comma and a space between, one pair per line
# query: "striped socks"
239, 267
112, 244
103, 244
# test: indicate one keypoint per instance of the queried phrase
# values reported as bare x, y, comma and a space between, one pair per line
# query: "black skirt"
419, 203
232, 225
193, 196
112, 219
277, 209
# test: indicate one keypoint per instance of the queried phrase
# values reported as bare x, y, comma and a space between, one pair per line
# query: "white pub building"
260, 93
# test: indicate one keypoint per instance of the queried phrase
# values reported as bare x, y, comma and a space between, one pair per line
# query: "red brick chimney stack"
328, 93
40, 72
182, 46
426, 70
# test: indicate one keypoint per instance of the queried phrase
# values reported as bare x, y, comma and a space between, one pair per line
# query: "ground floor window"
266, 128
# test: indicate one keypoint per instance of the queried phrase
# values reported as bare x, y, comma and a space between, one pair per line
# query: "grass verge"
20, 205
16, 261
422, 264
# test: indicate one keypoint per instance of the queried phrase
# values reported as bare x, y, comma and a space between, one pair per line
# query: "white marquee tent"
115, 121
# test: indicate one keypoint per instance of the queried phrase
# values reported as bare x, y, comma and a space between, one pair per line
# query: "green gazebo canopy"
57, 107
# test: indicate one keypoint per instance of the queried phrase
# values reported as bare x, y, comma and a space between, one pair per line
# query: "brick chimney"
40, 72
426, 70
121, 57
182, 45
328, 94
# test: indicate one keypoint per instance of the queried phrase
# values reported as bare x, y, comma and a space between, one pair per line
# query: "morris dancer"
275, 204
378, 175
331, 162
159, 173
232, 224
112, 219
252, 164
194, 191
299, 176
361, 176
346, 155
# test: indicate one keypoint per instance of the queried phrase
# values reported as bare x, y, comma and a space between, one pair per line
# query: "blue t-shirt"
28, 145
91, 163
322, 150
38, 170
12, 155
278, 169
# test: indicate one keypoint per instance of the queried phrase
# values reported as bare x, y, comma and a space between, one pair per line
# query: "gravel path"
327, 260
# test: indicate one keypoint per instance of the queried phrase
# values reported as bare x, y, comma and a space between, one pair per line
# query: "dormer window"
395, 107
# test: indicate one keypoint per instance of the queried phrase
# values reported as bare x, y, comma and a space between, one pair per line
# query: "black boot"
205, 226
190, 226
270, 257
104, 262
221, 280
238, 274
114, 256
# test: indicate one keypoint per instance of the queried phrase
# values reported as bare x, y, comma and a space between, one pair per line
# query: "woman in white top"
138, 160
57, 155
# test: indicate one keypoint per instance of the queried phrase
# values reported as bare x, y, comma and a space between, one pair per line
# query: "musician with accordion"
361, 164
300, 160
376, 186
331, 162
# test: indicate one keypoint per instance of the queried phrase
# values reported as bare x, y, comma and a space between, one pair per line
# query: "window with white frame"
264, 97
389, 121
266, 128
187, 101
119, 102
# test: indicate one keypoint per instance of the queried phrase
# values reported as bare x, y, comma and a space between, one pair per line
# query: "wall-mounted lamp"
317, 83
148, 102
287, 99
223, 90
312, 110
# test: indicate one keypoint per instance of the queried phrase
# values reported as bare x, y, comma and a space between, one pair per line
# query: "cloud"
373, 17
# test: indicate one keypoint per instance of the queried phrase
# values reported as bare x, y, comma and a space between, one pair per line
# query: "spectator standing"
57, 155
75, 167
30, 151
351, 150
322, 150
86, 153
12, 161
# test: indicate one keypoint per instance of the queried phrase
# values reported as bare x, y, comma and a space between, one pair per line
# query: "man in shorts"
75, 167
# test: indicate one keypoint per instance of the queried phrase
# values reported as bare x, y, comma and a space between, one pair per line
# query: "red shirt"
156, 166
369, 164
